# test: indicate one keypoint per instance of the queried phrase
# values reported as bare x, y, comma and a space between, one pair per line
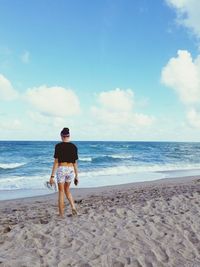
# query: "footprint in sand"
118, 264
78, 201
44, 221
7, 229
193, 238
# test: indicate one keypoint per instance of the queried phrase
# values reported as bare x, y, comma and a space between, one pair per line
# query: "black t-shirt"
66, 152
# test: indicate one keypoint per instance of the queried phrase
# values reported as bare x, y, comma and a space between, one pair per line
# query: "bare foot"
74, 211
61, 216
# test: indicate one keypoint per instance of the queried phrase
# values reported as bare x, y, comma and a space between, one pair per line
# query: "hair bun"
65, 132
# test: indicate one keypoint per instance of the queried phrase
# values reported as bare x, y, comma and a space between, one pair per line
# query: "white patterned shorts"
65, 174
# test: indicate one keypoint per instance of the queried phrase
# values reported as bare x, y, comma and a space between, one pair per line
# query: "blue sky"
108, 70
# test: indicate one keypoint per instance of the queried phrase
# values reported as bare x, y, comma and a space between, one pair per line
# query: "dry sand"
144, 224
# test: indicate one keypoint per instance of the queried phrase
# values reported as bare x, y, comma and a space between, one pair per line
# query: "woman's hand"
51, 180
76, 180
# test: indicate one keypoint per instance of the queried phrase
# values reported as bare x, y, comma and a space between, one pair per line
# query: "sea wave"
124, 169
106, 157
11, 165
111, 158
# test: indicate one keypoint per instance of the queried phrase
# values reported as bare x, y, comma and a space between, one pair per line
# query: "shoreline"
154, 223
85, 191
79, 190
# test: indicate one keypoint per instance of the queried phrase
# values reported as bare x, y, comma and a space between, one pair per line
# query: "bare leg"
61, 204
69, 195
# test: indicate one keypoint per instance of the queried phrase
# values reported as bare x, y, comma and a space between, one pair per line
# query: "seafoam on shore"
143, 224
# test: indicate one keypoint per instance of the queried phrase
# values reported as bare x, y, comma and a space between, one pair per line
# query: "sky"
121, 70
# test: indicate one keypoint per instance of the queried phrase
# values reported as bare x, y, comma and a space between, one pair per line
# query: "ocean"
26, 165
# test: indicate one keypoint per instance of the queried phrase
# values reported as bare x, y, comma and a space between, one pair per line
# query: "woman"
65, 167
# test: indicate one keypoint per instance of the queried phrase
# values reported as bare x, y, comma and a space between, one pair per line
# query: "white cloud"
193, 118
16, 124
25, 57
116, 109
55, 122
182, 74
10, 125
39, 118
119, 100
187, 14
53, 101
142, 119
7, 92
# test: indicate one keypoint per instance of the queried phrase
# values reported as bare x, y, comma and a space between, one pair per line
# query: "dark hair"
65, 132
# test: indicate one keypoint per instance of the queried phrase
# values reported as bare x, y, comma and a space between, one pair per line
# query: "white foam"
121, 156
104, 176
23, 182
11, 165
121, 170
85, 159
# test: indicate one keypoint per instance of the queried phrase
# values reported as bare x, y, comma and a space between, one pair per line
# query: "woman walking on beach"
65, 167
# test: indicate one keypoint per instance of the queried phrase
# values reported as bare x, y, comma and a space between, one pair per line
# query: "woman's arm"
75, 165
55, 166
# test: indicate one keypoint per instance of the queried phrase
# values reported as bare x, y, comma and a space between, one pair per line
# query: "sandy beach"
140, 224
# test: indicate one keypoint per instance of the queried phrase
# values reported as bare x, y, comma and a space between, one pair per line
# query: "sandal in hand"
50, 186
